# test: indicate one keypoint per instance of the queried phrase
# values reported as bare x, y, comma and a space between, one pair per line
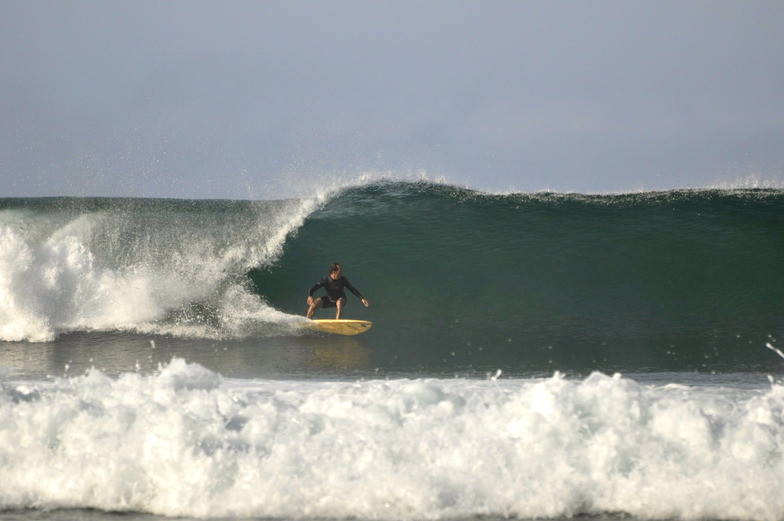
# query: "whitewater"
185, 442
94, 264
533, 356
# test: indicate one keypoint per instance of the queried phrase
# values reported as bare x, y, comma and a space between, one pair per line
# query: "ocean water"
533, 356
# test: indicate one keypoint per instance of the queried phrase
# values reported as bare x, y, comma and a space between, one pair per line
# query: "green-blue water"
153, 360
458, 280
666, 281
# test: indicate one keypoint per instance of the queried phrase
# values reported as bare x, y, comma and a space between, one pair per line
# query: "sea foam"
129, 268
185, 442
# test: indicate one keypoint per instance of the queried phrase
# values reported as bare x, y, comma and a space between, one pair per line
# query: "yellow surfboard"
340, 327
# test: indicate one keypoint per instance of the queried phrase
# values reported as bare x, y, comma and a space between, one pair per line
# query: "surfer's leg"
339, 304
313, 306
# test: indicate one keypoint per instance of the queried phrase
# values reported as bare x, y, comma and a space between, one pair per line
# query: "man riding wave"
334, 284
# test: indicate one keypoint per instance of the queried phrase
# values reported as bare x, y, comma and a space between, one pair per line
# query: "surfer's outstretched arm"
356, 292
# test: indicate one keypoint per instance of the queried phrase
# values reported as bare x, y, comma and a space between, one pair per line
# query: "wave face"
682, 280
184, 443
673, 280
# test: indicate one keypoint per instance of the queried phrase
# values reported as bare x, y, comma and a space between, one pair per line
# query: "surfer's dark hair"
335, 266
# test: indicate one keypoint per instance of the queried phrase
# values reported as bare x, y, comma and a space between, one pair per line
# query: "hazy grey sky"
257, 99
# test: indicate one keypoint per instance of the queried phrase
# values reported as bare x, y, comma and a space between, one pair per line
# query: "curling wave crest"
146, 265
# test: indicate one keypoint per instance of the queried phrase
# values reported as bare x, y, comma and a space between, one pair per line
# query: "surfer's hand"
310, 301
365, 302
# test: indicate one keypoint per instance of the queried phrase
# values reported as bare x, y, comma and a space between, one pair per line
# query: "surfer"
335, 297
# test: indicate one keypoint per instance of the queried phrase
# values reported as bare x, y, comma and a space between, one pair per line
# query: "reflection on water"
114, 353
341, 354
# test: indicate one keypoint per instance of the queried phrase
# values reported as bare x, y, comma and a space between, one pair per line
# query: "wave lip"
185, 442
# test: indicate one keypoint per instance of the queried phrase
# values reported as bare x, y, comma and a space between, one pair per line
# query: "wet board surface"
340, 327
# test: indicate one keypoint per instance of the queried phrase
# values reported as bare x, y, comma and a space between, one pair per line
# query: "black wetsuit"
334, 289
